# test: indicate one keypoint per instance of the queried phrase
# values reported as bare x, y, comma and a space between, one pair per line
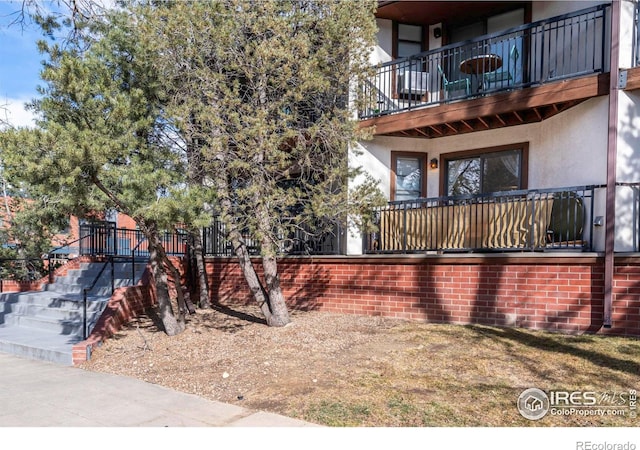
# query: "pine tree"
262, 90
244, 110
101, 140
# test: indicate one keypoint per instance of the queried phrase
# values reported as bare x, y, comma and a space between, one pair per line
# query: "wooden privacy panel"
518, 223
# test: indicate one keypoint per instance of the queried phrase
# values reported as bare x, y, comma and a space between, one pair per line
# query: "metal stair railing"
49, 266
85, 291
133, 261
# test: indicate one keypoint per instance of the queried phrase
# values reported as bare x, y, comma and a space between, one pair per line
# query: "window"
486, 170
412, 79
408, 175
409, 40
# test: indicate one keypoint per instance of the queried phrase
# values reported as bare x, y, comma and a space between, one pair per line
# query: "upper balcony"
519, 75
630, 74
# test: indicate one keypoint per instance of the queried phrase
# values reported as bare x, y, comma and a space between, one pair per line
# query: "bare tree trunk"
172, 326
271, 301
250, 275
244, 259
195, 174
203, 286
157, 257
182, 303
277, 304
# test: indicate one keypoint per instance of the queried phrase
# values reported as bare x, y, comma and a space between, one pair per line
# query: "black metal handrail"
524, 220
567, 46
53, 251
133, 261
85, 291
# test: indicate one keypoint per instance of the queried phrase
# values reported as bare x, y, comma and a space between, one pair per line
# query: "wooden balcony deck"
502, 109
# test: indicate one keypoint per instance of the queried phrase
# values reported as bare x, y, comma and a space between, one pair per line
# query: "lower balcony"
527, 220
534, 220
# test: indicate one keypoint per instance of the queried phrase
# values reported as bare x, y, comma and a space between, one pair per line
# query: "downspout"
609, 257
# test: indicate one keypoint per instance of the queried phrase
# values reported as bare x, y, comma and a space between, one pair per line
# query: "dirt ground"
347, 370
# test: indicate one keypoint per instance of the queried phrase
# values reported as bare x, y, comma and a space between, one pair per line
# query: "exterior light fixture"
433, 163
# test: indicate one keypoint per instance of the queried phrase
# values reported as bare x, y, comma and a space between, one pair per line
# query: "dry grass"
343, 370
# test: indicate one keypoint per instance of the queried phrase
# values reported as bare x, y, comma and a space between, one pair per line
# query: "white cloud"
13, 113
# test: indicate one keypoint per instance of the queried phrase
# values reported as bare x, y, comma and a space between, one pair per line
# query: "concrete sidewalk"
40, 394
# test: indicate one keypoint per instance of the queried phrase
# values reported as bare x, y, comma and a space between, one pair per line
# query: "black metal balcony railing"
104, 238
636, 35
525, 220
301, 242
528, 220
562, 47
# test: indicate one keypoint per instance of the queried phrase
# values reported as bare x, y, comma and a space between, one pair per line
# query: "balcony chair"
455, 85
505, 76
566, 224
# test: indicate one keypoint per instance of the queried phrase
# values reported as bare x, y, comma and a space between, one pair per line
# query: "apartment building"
506, 139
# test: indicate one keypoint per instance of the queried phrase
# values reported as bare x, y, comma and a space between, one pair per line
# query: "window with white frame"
408, 175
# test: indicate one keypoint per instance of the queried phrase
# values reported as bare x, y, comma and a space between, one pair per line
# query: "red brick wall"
125, 221
125, 304
556, 294
23, 286
19, 286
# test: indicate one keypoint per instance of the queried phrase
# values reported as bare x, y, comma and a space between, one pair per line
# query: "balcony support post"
609, 257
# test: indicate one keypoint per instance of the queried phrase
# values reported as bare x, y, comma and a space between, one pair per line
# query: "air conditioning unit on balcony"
413, 82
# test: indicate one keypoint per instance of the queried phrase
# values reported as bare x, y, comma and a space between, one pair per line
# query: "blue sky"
19, 64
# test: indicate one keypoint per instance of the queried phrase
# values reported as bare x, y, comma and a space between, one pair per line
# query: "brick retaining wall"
36, 285
125, 304
562, 294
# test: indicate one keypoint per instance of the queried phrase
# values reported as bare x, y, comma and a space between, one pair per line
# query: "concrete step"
91, 270
59, 314
32, 306
101, 288
73, 277
38, 344
56, 314
46, 324
89, 275
46, 333
67, 327
49, 299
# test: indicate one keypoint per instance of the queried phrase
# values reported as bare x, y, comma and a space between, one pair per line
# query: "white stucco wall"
546, 9
627, 169
626, 33
383, 50
568, 149
628, 143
